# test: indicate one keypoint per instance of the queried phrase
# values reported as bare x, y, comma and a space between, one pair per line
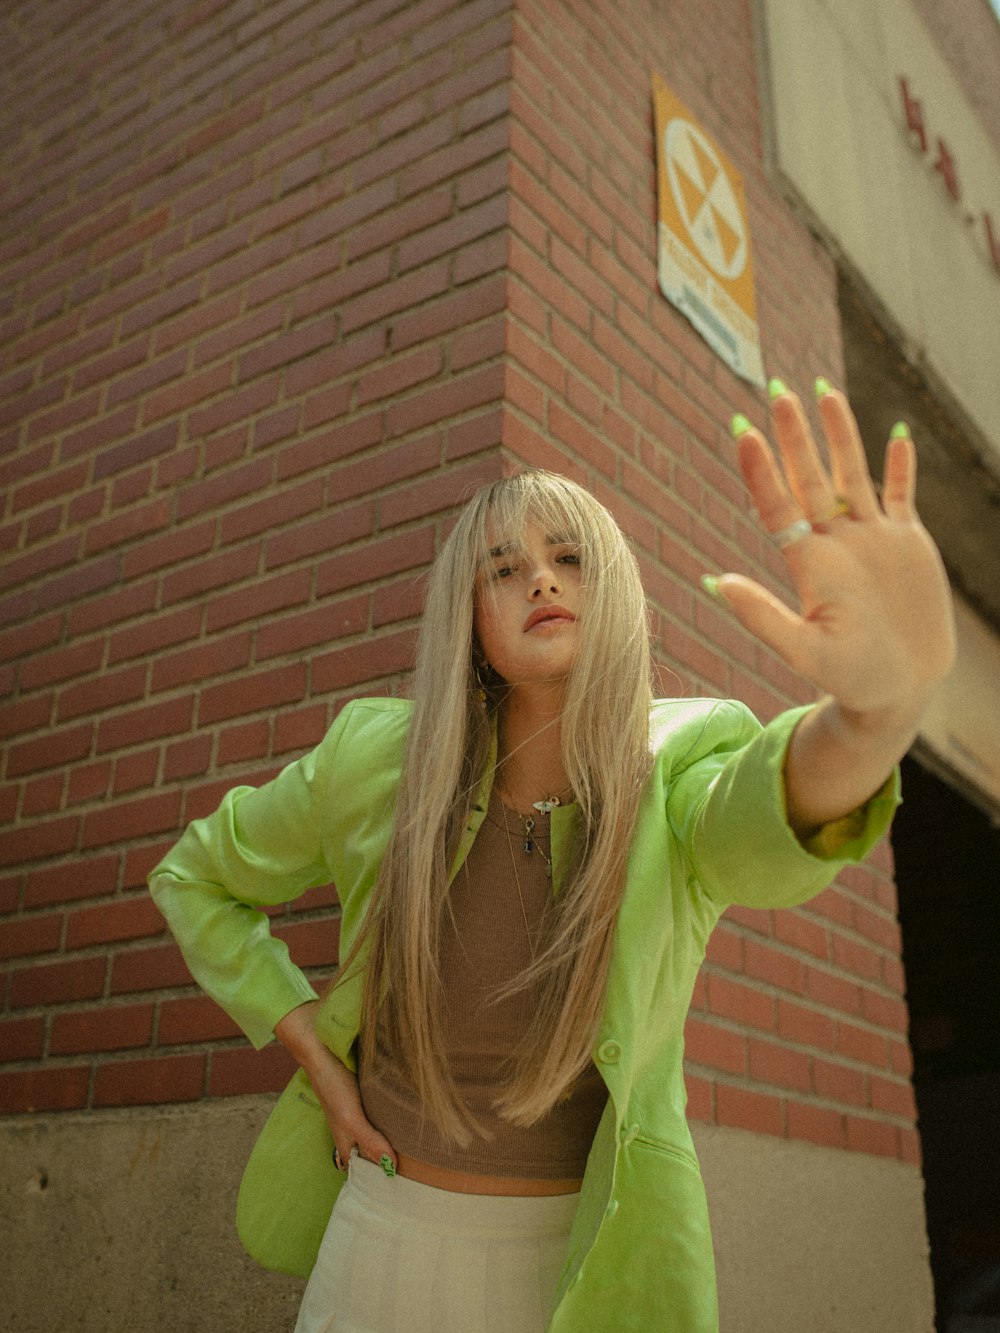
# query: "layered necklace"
529, 826
531, 834
531, 843
517, 882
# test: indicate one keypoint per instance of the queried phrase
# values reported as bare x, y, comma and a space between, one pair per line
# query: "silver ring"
793, 533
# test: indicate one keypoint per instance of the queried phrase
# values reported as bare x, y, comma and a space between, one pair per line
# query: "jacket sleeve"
261, 847
727, 806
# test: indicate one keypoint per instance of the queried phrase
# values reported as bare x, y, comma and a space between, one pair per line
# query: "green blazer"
711, 831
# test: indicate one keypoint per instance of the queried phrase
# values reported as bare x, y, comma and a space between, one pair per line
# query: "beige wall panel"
962, 722
809, 1238
842, 144
882, 209
828, 112
860, 30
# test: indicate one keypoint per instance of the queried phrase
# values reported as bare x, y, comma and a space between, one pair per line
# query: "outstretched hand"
874, 627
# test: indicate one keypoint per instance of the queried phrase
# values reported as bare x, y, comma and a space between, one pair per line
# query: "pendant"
547, 806
529, 825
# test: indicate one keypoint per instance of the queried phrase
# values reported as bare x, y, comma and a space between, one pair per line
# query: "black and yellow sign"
705, 264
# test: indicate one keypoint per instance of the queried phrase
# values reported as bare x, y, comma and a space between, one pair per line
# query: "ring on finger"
793, 533
841, 506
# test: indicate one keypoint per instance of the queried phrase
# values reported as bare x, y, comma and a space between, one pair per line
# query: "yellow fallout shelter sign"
705, 264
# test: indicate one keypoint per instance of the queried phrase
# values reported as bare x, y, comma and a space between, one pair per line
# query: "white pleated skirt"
401, 1257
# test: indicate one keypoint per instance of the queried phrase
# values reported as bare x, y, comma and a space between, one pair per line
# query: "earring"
480, 687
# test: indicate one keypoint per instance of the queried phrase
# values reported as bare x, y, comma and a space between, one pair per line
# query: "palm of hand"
874, 611
874, 629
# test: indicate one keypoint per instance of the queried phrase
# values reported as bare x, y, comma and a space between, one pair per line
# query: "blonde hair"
604, 730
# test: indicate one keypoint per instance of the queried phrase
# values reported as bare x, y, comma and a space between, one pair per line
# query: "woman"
530, 858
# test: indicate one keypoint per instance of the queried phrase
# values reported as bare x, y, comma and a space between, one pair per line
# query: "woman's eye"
503, 571
570, 558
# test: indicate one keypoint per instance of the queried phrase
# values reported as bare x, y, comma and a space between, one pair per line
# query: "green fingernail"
776, 387
387, 1165
710, 583
822, 387
900, 431
740, 425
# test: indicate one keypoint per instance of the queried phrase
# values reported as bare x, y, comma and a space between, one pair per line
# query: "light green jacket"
711, 831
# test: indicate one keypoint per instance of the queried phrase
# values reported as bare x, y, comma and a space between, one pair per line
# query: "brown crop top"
483, 945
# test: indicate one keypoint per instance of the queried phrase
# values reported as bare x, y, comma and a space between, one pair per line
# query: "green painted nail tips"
387, 1165
822, 387
776, 387
740, 425
900, 431
710, 583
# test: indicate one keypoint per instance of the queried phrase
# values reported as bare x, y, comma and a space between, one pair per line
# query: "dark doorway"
948, 874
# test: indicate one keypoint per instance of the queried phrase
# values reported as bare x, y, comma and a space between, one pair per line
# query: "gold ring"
840, 506
793, 533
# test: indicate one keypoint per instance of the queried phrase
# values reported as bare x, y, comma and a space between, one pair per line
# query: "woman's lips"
541, 614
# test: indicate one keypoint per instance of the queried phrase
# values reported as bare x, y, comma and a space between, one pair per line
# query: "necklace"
532, 841
531, 837
531, 844
544, 806
517, 882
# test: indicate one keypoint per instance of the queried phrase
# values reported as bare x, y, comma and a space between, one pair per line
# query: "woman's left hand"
336, 1087
875, 628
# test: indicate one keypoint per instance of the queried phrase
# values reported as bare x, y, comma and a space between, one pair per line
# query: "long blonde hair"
604, 729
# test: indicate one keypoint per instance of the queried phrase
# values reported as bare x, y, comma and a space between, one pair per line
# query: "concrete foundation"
123, 1223
813, 1240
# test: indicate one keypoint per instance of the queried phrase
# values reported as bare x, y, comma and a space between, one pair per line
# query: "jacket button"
609, 1052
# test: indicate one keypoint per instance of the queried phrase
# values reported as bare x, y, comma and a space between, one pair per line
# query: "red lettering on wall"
914, 111
993, 244
945, 164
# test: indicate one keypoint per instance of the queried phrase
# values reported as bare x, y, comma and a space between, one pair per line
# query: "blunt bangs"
497, 517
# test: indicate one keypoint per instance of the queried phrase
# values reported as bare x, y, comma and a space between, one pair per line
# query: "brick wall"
798, 1026
282, 282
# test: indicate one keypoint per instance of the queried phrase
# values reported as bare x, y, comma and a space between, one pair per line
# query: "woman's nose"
544, 580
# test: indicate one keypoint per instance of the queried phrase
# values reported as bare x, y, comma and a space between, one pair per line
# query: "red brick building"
280, 283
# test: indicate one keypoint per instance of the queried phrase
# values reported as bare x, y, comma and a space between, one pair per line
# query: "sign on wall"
705, 264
